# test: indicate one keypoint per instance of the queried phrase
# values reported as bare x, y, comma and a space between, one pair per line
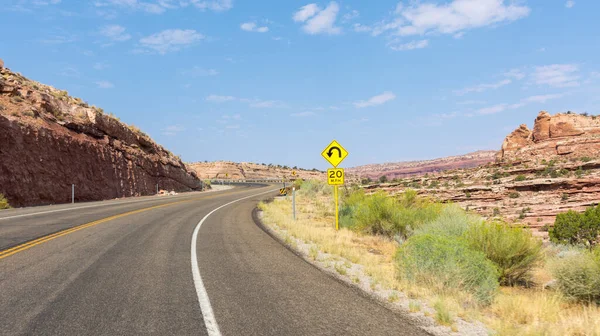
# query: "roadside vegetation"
4, 203
456, 262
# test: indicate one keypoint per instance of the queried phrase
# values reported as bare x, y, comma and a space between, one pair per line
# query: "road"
194, 264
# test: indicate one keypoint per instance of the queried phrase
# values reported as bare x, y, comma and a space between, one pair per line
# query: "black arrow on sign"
330, 153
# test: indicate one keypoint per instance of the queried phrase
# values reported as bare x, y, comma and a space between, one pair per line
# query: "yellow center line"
47, 238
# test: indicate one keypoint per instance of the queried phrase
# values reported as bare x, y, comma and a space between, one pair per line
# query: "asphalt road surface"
127, 267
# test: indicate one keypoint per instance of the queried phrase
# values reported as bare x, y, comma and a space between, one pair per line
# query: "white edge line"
207, 312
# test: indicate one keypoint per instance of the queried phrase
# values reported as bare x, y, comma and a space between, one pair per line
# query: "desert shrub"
207, 183
513, 250
577, 228
383, 179
298, 183
312, 188
520, 178
513, 194
380, 214
4, 203
445, 263
451, 222
578, 275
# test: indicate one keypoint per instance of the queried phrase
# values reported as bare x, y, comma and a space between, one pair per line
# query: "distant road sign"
335, 176
293, 173
283, 191
334, 153
226, 174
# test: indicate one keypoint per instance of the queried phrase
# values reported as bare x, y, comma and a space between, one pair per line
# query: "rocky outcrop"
49, 141
247, 170
562, 135
412, 168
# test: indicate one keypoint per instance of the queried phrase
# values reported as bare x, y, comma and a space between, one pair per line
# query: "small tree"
383, 179
577, 229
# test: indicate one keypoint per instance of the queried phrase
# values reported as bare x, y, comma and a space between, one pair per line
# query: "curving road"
145, 266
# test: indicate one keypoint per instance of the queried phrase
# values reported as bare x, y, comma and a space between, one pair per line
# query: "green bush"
447, 263
452, 222
520, 177
578, 276
513, 250
381, 214
4, 203
577, 228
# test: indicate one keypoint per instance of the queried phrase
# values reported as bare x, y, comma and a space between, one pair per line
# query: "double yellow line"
47, 238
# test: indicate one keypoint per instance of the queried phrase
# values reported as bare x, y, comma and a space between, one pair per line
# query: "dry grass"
515, 311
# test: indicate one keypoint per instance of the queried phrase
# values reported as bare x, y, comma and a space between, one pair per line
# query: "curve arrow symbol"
330, 152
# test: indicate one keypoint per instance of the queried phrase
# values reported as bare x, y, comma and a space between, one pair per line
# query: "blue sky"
276, 81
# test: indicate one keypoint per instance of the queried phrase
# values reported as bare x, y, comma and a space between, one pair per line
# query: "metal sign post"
72, 194
294, 202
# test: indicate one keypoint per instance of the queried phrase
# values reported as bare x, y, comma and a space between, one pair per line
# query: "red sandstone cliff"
49, 140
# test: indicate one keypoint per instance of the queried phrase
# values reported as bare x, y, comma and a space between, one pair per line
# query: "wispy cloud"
570, 4
253, 27
219, 99
483, 87
398, 46
376, 100
304, 114
104, 84
557, 75
173, 130
198, 71
171, 40
317, 20
523, 102
115, 33
159, 6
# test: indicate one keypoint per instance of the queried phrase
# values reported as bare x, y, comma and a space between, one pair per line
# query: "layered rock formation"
535, 177
49, 141
246, 170
412, 168
562, 135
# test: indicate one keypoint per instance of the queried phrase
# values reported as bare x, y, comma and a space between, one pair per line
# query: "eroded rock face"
246, 170
411, 168
562, 135
49, 140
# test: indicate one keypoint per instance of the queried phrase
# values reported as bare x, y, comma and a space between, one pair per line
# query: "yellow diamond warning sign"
334, 153
335, 176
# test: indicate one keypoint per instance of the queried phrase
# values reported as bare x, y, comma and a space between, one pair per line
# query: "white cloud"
570, 4
160, 6
456, 16
397, 46
252, 27
350, 16
317, 21
219, 99
515, 73
483, 87
171, 40
492, 109
197, 71
306, 12
115, 33
100, 66
214, 5
453, 18
376, 100
258, 103
557, 75
173, 130
523, 102
304, 114
104, 84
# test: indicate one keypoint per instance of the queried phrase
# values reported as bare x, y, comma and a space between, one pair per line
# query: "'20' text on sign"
335, 176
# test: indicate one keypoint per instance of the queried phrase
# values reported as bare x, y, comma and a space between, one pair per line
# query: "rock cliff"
247, 170
49, 141
562, 135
